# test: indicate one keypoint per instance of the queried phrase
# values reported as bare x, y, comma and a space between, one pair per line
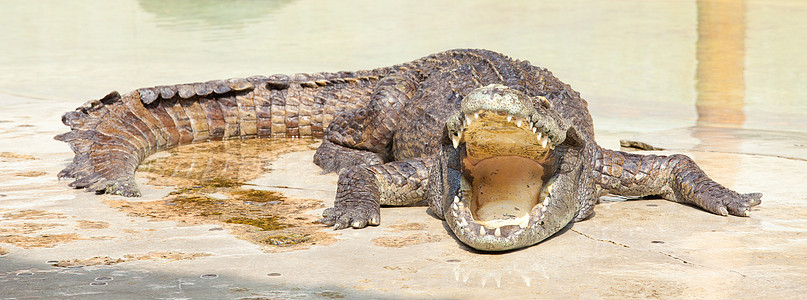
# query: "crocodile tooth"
455, 140
454, 205
525, 222
537, 218
454, 213
476, 116
482, 230
539, 136
534, 130
519, 121
544, 141
543, 209
463, 222
509, 118
497, 232
546, 202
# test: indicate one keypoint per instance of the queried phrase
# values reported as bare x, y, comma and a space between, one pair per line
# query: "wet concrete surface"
57, 242
650, 71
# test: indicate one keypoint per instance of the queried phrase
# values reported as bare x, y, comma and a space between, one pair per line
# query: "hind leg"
676, 178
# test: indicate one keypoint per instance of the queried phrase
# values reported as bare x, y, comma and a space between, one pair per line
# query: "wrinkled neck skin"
508, 173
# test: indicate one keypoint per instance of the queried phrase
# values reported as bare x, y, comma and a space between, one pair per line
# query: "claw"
723, 211
339, 226
358, 224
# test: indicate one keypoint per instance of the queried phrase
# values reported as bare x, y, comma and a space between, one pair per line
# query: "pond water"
642, 65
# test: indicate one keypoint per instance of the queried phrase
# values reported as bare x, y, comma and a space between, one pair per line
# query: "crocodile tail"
111, 136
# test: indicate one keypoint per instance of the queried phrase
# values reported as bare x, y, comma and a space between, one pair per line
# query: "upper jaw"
544, 136
534, 114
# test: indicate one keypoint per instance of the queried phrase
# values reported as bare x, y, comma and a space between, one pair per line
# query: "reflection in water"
721, 95
721, 63
192, 14
236, 159
720, 75
513, 275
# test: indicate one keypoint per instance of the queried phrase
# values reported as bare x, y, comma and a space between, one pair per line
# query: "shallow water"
643, 66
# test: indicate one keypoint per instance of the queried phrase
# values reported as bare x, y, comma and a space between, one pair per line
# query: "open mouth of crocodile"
507, 169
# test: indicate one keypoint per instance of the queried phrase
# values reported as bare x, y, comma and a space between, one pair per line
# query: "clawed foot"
343, 217
734, 204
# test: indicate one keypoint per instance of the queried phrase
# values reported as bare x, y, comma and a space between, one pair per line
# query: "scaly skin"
458, 129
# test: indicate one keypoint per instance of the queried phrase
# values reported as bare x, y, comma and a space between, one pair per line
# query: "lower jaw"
482, 230
511, 237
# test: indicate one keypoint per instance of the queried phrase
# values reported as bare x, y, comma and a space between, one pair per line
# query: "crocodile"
498, 148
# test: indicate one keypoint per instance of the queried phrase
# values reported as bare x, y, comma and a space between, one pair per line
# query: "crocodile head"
508, 170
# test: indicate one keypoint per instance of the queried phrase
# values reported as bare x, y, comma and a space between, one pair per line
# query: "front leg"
364, 136
675, 177
362, 189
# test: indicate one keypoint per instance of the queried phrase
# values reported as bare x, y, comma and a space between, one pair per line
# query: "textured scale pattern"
385, 132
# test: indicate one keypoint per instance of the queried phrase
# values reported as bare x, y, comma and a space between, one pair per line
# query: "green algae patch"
220, 183
258, 196
184, 199
265, 224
